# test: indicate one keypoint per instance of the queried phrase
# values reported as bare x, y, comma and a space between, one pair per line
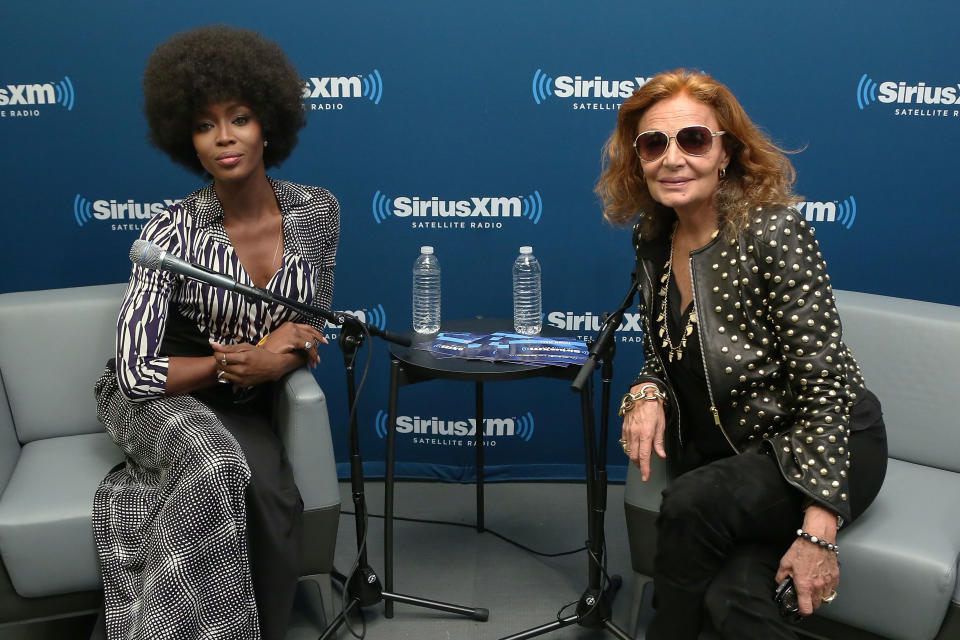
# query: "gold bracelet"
629, 400
263, 340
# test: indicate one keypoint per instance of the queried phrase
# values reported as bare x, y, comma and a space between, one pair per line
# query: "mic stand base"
363, 588
593, 611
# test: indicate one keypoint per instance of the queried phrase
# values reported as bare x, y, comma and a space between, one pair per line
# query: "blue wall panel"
457, 102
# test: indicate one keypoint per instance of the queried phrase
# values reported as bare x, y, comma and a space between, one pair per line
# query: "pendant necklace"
662, 318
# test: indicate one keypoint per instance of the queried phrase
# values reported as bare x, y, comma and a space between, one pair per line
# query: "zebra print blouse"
193, 230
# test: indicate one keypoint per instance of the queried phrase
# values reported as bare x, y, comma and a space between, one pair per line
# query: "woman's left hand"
247, 365
814, 569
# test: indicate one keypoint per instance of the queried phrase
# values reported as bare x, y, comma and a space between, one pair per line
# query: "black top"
703, 441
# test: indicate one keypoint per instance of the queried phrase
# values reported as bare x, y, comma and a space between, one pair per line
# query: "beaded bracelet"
815, 540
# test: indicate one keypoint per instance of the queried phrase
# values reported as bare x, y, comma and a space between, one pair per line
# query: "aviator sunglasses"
696, 140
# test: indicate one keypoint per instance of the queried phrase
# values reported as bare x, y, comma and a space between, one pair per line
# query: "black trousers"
274, 514
723, 529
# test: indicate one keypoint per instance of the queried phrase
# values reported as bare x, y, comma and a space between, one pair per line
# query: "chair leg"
640, 583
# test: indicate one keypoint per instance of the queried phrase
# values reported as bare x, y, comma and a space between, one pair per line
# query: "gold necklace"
662, 318
276, 250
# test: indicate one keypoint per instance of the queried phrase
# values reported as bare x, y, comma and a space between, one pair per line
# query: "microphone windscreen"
146, 254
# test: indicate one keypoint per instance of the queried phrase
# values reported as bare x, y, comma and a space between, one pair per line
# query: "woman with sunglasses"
199, 534
771, 438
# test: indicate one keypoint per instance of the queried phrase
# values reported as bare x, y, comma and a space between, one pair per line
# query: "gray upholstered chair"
54, 453
898, 575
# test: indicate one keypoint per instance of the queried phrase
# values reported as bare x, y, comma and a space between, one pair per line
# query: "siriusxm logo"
375, 316
545, 86
570, 321
844, 212
890, 92
28, 95
369, 86
521, 427
474, 208
85, 210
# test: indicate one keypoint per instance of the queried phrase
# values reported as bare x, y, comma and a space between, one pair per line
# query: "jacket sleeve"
328, 258
141, 372
822, 378
651, 371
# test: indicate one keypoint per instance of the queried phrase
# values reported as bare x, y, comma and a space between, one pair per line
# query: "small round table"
410, 366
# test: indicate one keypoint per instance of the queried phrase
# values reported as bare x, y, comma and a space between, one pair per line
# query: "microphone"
150, 256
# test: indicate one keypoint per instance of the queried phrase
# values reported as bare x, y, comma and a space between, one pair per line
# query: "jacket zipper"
703, 357
666, 377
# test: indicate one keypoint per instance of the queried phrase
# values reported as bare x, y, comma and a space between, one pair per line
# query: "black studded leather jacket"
778, 373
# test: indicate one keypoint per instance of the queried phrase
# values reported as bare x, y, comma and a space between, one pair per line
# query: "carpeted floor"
461, 566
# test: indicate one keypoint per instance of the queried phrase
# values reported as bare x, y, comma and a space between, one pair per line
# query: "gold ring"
622, 442
223, 360
830, 598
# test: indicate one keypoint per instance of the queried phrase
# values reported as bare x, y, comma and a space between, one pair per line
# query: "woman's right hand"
293, 336
643, 429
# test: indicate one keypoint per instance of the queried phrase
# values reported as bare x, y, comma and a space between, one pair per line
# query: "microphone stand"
595, 604
362, 587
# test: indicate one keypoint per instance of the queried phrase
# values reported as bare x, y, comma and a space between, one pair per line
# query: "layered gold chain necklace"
664, 311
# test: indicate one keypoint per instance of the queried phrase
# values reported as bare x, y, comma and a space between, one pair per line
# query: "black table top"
477, 370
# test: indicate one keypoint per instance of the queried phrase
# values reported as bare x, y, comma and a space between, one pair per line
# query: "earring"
264, 143
723, 172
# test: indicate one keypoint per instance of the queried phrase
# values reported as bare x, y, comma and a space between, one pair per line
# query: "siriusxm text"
492, 427
919, 93
404, 206
570, 321
113, 210
26, 94
333, 87
596, 87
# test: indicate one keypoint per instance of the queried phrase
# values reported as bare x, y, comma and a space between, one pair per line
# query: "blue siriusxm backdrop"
475, 103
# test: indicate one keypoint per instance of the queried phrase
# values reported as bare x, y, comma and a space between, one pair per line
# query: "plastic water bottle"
527, 311
426, 292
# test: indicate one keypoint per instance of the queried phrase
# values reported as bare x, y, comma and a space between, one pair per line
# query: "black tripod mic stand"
596, 602
363, 587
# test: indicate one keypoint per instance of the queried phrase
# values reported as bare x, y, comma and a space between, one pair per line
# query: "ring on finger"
221, 379
308, 345
622, 442
223, 360
830, 597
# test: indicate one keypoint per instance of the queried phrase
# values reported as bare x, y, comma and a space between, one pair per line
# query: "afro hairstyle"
210, 64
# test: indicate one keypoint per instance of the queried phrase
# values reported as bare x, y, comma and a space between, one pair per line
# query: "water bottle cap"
526, 250
426, 250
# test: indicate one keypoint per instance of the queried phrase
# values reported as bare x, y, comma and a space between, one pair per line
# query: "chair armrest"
304, 427
9, 445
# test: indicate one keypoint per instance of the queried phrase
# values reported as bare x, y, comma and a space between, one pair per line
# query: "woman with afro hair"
199, 534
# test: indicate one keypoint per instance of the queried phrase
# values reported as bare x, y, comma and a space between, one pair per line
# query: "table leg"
479, 444
388, 486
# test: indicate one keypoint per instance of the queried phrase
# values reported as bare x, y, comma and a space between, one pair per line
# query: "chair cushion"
898, 561
46, 535
53, 345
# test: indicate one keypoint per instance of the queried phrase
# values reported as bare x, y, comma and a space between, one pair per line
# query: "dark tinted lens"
651, 145
695, 140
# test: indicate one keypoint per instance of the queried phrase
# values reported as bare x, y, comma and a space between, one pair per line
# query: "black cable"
486, 530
